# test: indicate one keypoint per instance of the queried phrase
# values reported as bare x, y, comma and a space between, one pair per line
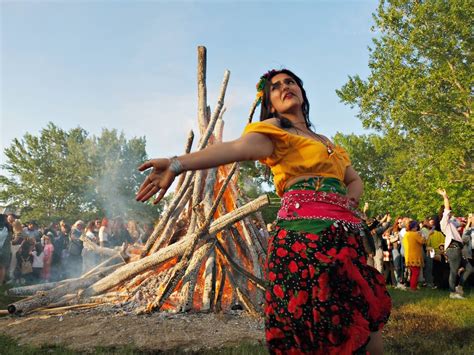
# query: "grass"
425, 322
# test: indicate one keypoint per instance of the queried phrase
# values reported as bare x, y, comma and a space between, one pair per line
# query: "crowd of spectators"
436, 252
33, 254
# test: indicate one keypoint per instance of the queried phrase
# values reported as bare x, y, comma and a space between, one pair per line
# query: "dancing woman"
321, 296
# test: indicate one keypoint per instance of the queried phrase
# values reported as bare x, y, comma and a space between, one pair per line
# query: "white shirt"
449, 229
38, 259
103, 235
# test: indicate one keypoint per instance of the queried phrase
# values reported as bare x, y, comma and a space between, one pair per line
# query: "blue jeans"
397, 265
454, 259
428, 271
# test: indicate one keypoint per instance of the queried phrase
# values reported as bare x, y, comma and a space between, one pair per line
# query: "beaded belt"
307, 204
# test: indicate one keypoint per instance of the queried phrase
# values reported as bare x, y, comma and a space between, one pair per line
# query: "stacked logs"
204, 254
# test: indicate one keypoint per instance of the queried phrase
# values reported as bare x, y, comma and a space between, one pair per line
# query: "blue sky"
131, 65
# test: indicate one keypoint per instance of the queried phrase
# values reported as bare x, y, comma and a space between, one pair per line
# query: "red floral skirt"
322, 297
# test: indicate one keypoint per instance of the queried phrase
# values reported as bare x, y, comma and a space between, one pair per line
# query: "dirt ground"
86, 329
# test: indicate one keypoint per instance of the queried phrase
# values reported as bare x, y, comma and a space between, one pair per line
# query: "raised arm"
444, 220
443, 193
251, 146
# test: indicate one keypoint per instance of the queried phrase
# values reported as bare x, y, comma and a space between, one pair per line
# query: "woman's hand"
442, 192
159, 180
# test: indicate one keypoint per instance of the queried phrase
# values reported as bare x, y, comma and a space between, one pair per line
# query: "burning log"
44, 298
177, 249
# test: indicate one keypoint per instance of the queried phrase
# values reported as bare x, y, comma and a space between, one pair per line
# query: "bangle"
175, 165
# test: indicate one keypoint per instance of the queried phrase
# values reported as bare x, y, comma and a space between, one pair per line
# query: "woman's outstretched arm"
252, 146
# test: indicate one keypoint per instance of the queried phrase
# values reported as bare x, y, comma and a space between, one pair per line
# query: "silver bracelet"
175, 165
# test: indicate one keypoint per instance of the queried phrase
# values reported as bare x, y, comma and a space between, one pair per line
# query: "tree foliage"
69, 175
418, 97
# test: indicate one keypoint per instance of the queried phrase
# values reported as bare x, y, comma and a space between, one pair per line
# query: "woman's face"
285, 94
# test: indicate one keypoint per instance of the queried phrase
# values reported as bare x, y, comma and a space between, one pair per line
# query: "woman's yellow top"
413, 245
295, 155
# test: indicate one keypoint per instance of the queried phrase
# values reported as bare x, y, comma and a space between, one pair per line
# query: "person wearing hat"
414, 259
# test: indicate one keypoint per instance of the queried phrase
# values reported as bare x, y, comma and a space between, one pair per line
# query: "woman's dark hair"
265, 110
90, 226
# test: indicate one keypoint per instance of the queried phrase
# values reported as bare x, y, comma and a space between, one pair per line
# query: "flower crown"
261, 84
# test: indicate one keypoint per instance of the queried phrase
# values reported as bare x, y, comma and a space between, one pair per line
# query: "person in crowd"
5, 247
16, 242
61, 246
435, 239
401, 234
396, 256
147, 231
377, 232
74, 261
32, 231
104, 233
468, 249
321, 295
388, 267
48, 256
133, 231
413, 246
120, 234
453, 245
24, 262
10, 219
89, 257
38, 262
96, 229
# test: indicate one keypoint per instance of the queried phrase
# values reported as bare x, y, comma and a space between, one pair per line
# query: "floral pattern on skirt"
322, 297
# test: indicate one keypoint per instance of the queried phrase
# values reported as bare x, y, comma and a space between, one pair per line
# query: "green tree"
418, 97
116, 178
69, 175
49, 174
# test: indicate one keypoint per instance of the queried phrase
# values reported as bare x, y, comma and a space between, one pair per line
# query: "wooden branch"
33, 289
254, 279
169, 230
190, 277
243, 297
203, 230
189, 175
167, 213
44, 298
220, 289
202, 89
209, 291
187, 150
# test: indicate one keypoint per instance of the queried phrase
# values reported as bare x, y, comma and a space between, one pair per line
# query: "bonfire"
204, 254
